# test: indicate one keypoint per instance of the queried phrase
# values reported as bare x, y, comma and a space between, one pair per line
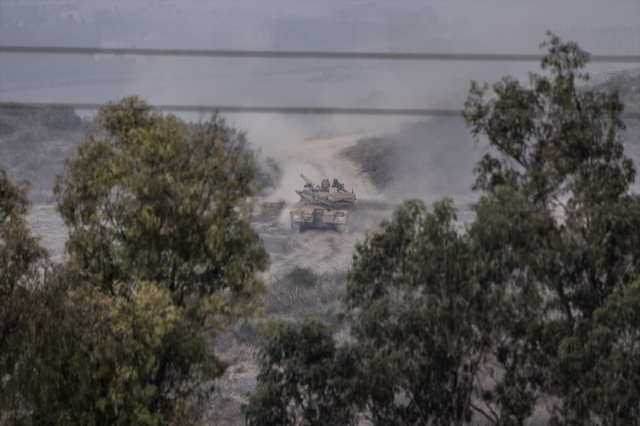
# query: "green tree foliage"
22, 264
440, 313
101, 358
422, 327
161, 256
559, 147
160, 201
427, 308
536, 299
304, 379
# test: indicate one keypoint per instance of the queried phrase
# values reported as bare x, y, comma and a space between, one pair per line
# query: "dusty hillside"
427, 159
34, 143
321, 249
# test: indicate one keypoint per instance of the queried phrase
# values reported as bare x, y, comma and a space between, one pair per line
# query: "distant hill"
34, 143
627, 83
439, 153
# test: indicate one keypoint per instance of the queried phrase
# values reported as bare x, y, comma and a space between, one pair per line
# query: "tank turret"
322, 206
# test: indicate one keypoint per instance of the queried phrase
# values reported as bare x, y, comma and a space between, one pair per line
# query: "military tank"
322, 206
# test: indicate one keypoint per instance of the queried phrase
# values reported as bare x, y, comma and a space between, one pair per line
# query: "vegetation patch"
301, 276
300, 291
294, 295
34, 141
372, 156
482, 325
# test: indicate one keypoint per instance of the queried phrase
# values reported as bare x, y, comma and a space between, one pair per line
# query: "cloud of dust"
433, 159
428, 165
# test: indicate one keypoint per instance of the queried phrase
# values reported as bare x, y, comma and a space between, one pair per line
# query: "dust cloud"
429, 159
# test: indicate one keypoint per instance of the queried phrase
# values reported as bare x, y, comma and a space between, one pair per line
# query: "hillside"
434, 158
34, 143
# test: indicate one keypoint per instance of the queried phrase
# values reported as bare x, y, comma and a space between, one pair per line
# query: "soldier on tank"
322, 206
338, 185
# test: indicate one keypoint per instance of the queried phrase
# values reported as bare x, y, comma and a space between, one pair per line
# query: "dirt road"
321, 249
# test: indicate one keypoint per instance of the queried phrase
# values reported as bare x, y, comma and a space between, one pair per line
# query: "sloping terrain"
35, 142
321, 249
427, 159
434, 158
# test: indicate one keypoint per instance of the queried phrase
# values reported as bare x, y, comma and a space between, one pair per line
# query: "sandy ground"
321, 158
321, 249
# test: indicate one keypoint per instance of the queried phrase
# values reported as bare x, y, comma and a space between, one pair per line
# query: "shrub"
300, 292
301, 276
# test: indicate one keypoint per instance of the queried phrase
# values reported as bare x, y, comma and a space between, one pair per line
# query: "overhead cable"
423, 112
205, 53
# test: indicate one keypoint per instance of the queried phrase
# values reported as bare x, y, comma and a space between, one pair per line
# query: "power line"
400, 56
257, 109
420, 112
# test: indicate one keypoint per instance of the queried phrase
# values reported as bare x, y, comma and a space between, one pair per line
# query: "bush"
301, 276
300, 291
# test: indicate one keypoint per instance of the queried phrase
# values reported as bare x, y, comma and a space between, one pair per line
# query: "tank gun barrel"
306, 179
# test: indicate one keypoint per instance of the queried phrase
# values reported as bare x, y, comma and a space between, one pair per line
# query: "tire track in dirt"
321, 249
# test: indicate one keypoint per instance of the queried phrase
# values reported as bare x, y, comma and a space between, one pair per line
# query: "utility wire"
256, 109
422, 112
302, 54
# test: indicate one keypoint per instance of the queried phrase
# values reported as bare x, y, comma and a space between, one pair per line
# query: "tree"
161, 256
537, 297
421, 326
441, 312
559, 147
426, 314
22, 264
304, 379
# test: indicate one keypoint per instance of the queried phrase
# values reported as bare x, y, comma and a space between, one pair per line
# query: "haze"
601, 27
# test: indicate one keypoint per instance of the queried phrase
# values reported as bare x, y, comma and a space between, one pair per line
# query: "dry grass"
300, 291
294, 294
